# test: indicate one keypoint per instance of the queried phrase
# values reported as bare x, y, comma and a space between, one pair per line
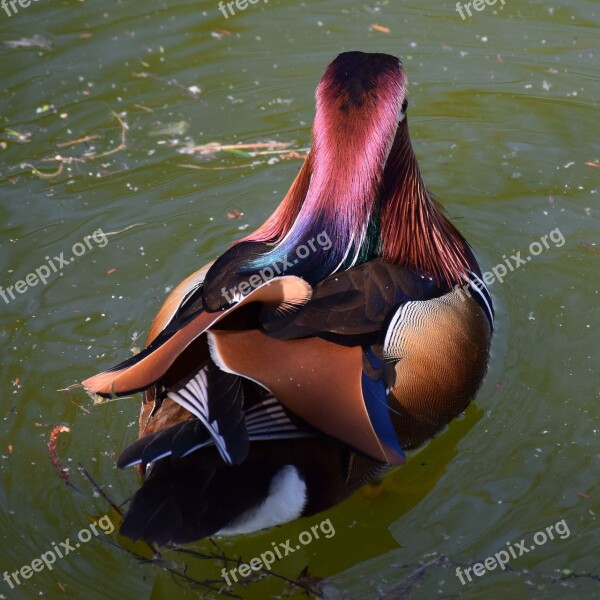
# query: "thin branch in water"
191, 90
142, 107
199, 168
82, 140
122, 145
79, 406
65, 160
214, 147
124, 229
98, 489
41, 174
87, 156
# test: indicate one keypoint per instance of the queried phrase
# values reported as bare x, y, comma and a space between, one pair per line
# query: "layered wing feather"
147, 367
266, 420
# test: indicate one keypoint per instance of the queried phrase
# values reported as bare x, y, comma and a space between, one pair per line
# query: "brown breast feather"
441, 346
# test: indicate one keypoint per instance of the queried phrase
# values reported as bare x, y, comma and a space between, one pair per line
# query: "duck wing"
183, 327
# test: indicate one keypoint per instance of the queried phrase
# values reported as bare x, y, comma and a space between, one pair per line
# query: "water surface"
503, 113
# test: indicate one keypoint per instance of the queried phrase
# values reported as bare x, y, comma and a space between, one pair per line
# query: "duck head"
360, 188
359, 101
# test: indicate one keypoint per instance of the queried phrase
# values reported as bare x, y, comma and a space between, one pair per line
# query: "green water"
503, 112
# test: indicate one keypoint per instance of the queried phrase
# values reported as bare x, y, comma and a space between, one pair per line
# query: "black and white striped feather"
266, 420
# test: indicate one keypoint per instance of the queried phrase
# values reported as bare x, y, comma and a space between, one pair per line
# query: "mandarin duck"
350, 327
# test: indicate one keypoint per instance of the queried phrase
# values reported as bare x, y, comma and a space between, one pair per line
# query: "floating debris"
43, 174
215, 147
380, 28
40, 110
295, 155
21, 137
192, 90
171, 129
83, 140
89, 155
35, 41
64, 471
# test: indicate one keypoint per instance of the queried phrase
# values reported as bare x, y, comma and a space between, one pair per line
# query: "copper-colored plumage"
315, 379
274, 229
415, 232
174, 301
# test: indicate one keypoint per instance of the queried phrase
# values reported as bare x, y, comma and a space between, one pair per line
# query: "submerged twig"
86, 156
65, 160
214, 147
191, 90
43, 175
122, 145
98, 489
87, 138
200, 168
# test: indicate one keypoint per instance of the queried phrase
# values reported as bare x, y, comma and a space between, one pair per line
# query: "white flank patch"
284, 503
